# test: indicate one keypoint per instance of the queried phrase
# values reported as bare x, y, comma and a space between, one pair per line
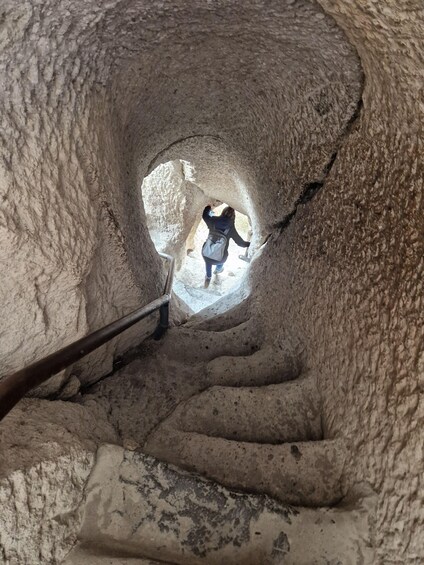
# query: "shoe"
218, 270
207, 282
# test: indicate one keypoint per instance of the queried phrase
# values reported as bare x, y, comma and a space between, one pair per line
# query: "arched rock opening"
175, 194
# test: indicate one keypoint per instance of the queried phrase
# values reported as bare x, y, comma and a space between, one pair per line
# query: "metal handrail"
15, 386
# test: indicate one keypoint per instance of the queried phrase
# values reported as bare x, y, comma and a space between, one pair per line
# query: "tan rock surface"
145, 507
47, 453
94, 93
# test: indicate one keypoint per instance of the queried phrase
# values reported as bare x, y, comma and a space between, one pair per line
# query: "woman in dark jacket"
221, 224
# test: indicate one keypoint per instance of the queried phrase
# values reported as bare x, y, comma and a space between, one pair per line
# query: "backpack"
215, 245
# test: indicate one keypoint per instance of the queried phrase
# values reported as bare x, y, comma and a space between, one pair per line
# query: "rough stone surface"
93, 96
47, 453
137, 504
173, 205
303, 474
67, 248
39, 509
351, 286
268, 414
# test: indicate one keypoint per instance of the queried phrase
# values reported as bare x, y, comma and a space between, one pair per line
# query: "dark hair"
228, 212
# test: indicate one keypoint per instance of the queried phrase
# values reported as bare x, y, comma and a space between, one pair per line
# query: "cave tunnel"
282, 422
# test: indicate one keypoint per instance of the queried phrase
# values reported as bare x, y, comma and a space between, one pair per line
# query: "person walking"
215, 248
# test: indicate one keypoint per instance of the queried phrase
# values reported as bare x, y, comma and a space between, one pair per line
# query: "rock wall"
50, 449
173, 204
68, 259
349, 270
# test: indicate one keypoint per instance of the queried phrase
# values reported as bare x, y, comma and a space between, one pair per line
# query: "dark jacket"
222, 223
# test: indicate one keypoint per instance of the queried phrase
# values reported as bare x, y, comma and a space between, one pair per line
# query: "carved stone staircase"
138, 509
237, 473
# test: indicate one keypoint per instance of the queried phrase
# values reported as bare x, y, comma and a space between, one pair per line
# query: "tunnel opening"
173, 205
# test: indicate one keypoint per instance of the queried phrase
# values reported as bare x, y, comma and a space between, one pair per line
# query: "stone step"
193, 345
270, 414
301, 473
263, 367
140, 506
